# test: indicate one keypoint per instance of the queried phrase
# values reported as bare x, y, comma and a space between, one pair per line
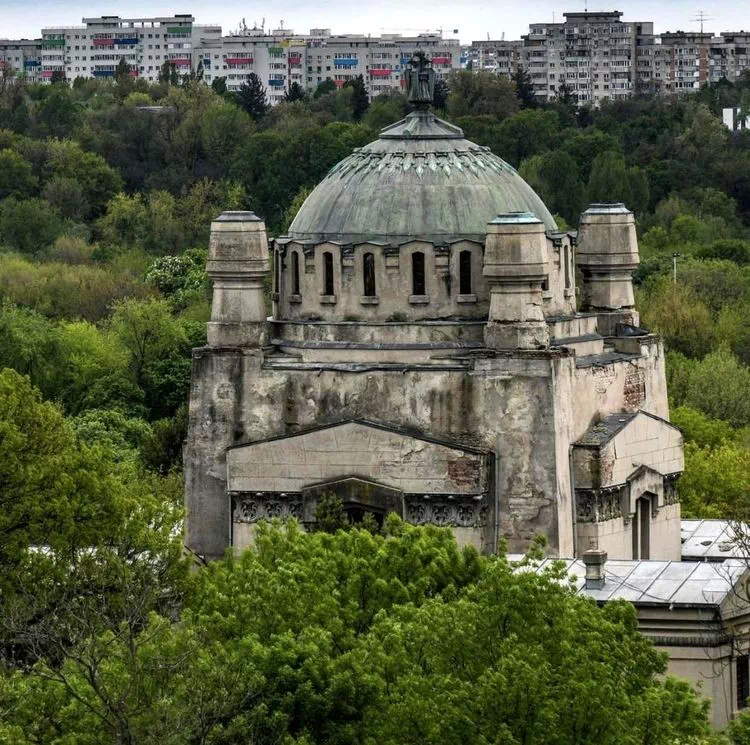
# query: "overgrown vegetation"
354, 636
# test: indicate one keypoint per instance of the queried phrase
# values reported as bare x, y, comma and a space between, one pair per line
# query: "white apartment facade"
283, 58
94, 49
20, 58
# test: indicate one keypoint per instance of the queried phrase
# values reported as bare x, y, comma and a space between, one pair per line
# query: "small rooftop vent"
594, 559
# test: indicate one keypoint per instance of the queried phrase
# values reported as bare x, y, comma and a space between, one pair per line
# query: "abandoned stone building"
429, 353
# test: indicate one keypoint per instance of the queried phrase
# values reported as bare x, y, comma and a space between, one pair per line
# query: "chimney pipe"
594, 559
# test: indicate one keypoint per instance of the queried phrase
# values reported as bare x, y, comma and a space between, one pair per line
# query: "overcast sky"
473, 19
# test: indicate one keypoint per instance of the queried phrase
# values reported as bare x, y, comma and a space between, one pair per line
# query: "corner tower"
424, 356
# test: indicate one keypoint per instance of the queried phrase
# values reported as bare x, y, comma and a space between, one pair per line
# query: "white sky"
474, 19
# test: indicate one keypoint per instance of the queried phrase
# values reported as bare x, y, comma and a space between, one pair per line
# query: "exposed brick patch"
464, 471
634, 391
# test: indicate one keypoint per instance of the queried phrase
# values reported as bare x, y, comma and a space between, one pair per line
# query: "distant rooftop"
709, 540
677, 583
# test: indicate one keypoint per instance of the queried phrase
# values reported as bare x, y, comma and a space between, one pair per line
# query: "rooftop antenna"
700, 18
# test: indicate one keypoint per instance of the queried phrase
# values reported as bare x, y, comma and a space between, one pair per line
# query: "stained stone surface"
420, 180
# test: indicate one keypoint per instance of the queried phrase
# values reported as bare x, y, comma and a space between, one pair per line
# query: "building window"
295, 273
368, 274
464, 273
743, 680
642, 528
417, 274
566, 259
328, 273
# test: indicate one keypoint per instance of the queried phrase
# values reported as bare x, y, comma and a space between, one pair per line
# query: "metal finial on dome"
421, 81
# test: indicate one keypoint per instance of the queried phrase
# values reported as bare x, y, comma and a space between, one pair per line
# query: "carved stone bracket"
250, 508
598, 505
427, 510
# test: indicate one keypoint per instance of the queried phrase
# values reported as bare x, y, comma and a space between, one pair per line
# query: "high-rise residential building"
279, 58
20, 58
96, 48
599, 56
592, 53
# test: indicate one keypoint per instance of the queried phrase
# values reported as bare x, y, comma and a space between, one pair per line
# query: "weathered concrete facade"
455, 352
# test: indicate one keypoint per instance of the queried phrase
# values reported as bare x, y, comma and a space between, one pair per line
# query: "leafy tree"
251, 97
67, 196
524, 88
475, 94
351, 637
612, 181
122, 72
16, 176
700, 428
168, 74
555, 177
29, 226
223, 129
219, 85
360, 99
324, 87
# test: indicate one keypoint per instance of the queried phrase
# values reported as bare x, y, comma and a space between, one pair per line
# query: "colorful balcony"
104, 42
340, 83
179, 29
239, 60
277, 83
276, 51
31, 63
295, 57
127, 40
346, 61
181, 62
104, 73
381, 73
133, 73
46, 73
442, 60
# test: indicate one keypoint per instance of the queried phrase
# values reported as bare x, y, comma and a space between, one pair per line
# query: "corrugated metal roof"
657, 582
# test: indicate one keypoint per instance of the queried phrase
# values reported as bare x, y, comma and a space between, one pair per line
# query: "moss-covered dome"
420, 179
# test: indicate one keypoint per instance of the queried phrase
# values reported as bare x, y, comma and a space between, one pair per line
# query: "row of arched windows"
369, 285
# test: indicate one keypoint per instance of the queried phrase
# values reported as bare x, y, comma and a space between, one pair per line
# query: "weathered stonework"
442, 372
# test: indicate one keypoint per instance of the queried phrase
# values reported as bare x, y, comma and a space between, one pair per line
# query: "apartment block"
94, 49
20, 59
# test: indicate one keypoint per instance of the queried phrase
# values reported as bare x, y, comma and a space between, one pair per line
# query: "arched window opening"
642, 528
295, 273
328, 273
567, 267
417, 274
368, 274
464, 273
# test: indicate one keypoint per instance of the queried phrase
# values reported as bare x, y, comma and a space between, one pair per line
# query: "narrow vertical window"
328, 273
295, 273
368, 274
417, 274
464, 273
566, 259
276, 270
642, 529
743, 680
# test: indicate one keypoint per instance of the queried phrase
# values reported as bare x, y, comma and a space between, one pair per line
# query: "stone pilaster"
515, 266
238, 263
607, 255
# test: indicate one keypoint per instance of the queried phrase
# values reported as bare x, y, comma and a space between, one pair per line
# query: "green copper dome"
421, 179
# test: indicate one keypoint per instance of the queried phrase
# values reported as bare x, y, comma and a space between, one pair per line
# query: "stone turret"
515, 266
607, 254
238, 263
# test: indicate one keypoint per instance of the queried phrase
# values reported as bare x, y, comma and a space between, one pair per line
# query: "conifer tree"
524, 88
252, 97
360, 99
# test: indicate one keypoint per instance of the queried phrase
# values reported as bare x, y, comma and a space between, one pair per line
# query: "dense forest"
105, 206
